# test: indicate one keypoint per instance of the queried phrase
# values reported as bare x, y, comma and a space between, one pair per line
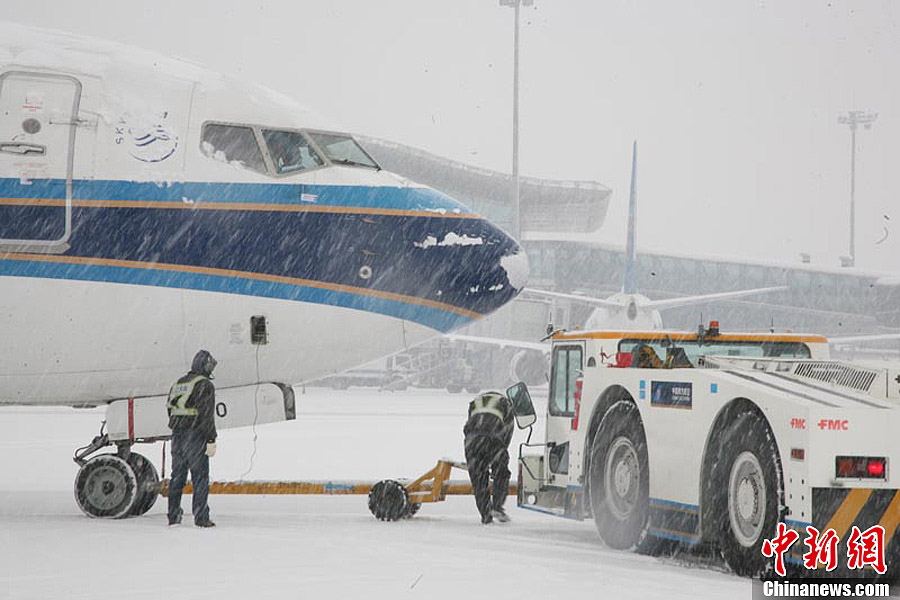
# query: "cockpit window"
290, 151
342, 149
232, 144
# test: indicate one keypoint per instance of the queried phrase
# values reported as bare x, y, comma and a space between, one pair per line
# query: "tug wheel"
749, 493
388, 501
619, 478
106, 487
146, 475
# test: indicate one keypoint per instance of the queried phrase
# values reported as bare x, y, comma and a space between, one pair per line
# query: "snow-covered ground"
307, 546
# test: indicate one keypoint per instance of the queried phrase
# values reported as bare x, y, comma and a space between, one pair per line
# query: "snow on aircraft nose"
409, 252
467, 263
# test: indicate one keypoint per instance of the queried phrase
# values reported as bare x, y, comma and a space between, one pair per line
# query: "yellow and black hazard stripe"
842, 508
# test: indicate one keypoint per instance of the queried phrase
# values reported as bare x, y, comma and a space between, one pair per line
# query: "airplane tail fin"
629, 285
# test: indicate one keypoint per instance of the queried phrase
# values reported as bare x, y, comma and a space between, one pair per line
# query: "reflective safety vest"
492, 404
178, 396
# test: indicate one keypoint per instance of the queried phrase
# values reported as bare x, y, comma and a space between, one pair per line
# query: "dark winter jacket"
490, 415
200, 403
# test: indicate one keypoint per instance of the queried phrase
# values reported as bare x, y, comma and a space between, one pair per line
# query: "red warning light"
861, 467
876, 467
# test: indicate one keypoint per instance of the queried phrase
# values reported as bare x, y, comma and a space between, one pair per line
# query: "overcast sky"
734, 103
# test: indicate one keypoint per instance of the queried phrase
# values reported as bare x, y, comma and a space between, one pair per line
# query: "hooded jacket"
490, 415
192, 398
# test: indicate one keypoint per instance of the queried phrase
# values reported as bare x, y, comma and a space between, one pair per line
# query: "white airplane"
630, 310
150, 207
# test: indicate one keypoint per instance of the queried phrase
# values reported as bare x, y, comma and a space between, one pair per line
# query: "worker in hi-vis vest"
191, 409
488, 432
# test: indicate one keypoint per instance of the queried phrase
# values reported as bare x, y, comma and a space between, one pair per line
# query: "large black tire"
746, 493
146, 475
106, 487
619, 480
389, 501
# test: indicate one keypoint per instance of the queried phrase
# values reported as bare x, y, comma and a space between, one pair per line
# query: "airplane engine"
529, 366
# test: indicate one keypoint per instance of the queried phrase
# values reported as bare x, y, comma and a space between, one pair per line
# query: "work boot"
500, 515
177, 519
487, 519
205, 524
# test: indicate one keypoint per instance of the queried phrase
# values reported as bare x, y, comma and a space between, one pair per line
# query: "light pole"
517, 225
854, 119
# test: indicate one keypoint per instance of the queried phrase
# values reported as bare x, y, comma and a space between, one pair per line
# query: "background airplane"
629, 309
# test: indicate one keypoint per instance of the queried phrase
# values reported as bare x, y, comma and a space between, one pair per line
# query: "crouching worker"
191, 409
488, 432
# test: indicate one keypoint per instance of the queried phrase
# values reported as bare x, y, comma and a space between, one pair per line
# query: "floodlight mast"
854, 119
516, 220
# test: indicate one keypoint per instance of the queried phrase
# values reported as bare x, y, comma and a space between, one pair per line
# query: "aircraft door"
38, 119
566, 367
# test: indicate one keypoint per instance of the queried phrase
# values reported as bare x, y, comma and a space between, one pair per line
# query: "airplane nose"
470, 265
499, 271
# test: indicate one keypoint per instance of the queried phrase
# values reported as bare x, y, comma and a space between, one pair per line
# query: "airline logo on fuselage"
147, 140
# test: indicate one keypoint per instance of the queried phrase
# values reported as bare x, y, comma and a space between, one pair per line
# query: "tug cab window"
342, 149
686, 353
291, 151
565, 370
232, 144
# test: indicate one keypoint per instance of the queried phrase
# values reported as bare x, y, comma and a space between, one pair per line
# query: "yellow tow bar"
389, 500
